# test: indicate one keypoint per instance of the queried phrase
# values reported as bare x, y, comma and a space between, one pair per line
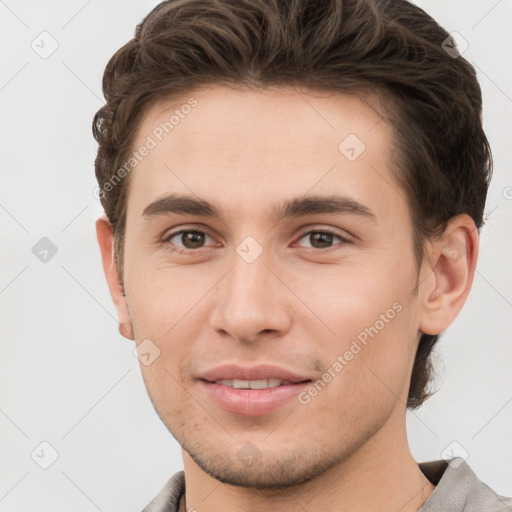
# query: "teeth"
253, 384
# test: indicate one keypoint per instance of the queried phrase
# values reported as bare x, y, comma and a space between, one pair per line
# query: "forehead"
249, 146
308, 117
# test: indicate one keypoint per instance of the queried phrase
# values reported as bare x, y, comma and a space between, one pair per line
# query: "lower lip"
251, 402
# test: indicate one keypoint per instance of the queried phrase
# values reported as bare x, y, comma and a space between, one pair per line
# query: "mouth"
251, 391
256, 384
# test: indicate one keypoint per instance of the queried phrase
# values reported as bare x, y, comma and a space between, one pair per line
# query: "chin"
278, 473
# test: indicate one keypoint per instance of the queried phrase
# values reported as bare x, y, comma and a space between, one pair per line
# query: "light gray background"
68, 377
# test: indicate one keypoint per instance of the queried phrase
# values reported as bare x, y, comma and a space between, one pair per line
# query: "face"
299, 270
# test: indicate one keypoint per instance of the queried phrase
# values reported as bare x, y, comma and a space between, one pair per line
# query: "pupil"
194, 238
325, 239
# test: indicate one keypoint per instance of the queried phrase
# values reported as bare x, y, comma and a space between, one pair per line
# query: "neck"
380, 475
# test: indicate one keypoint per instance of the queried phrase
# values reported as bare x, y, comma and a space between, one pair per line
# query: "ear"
453, 258
105, 235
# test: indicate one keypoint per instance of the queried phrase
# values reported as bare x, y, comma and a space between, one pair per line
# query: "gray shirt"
458, 489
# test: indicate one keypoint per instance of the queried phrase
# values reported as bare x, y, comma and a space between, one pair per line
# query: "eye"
190, 239
322, 238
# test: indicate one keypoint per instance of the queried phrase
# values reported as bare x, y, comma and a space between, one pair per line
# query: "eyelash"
168, 238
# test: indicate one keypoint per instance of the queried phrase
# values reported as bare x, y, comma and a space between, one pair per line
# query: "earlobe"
105, 238
455, 256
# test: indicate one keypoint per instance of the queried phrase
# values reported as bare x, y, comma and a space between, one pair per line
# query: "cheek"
170, 393
351, 296
371, 341
163, 301
365, 379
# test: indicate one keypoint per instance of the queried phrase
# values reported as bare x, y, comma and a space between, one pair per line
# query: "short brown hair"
390, 47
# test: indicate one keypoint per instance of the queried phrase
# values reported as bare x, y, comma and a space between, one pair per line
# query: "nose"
251, 301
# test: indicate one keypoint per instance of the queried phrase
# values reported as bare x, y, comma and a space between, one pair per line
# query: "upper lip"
259, 372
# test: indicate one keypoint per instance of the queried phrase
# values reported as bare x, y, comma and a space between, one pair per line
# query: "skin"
298, 305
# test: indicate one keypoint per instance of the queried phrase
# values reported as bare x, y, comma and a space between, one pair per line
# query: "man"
293, 194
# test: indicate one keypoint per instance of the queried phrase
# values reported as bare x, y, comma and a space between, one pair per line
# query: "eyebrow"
296, 207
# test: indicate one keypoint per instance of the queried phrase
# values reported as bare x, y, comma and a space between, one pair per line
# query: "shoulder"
459, 489
168, 499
